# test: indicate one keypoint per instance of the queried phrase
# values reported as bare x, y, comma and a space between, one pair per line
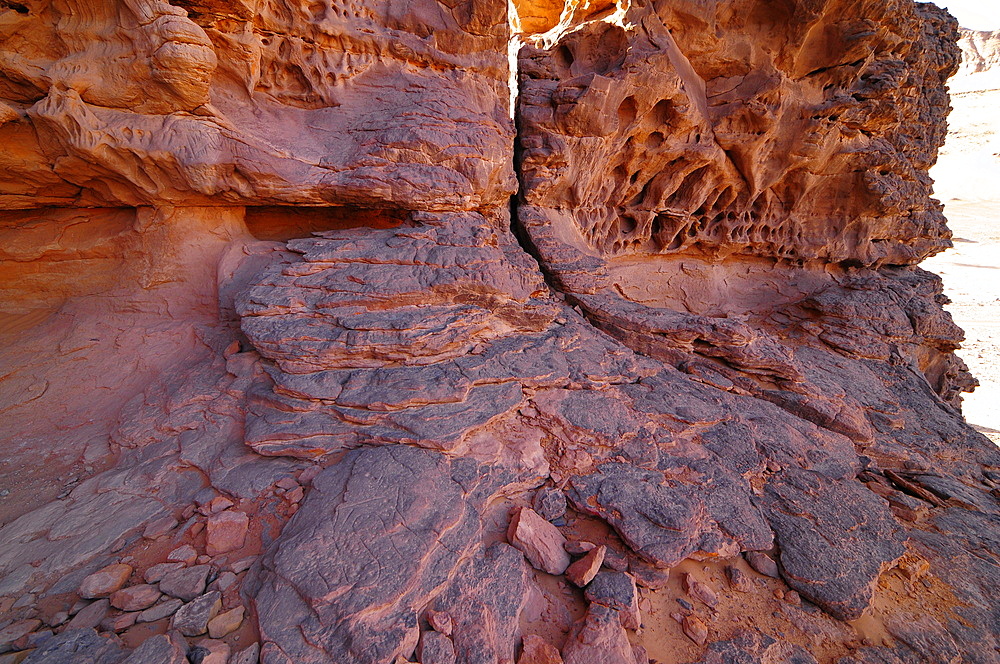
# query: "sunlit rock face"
319, 350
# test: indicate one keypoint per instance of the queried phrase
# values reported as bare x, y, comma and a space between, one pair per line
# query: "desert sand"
967, 179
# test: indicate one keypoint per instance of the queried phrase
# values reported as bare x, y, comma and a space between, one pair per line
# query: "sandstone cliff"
318, 350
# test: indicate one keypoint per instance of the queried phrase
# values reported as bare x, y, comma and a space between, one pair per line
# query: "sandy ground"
968, 182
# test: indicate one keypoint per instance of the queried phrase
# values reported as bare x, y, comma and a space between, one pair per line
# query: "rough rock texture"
302, 301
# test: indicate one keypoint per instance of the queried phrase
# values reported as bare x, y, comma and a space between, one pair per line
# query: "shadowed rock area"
476, 332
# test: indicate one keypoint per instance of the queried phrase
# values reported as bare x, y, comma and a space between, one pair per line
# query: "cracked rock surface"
339, 331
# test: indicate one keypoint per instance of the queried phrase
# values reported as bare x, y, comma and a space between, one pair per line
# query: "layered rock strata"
329, 358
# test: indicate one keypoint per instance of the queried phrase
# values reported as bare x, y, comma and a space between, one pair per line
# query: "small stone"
225, 581
549, 503
90, 616
24, 601
159, 528
160, 611
36, 639
286, 483
184, 554
243, 564
155, 573
763, 564
585, 569
578, 548
204, 559
14, 631
295, 495
216, 652
615, 560
218, 504
135, 598
695, 629
440, 621
161, 649
192, 618
227, 531
118, 623
188, 512
539, 651
225, 623
700, 591
738, 579
778, 594
249, 655
105, 581
186, 583
309, 474
58, 619
793, 598
540, 541
616, 590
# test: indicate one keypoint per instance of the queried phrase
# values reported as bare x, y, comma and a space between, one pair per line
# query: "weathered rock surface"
296, 317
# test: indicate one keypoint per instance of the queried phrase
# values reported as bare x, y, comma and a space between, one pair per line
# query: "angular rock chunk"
135, 598
187, 583
226, 532
539, 651
192, 618
225, 623
105, 581
160, 611
616, 590
585, 569
162, 649
835, 537
599, 638
540, 541
89, 616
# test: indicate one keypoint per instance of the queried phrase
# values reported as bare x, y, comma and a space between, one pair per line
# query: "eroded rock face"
297, 354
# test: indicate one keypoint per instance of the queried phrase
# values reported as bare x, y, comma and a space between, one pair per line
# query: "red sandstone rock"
226, 531
105, 581
538, 651
719, 329
538, 540
135, 598
585, 569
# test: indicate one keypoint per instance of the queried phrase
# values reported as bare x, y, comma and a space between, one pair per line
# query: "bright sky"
974, 14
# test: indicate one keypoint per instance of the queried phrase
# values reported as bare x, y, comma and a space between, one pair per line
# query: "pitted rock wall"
298, 319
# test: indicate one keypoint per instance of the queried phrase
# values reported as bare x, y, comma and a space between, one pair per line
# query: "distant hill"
980, 69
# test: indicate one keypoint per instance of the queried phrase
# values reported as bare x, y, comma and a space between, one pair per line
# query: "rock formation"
980, 51
318, 349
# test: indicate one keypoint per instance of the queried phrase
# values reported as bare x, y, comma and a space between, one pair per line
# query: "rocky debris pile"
682, 395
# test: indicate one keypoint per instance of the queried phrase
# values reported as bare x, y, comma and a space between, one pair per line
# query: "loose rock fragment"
585, 569
227, 531
616, 590
540, 541
159, 611
187, 583
135, 598
105, 581
192, 618
763, 564
539, 651
738, 579
695, 629
225, 623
